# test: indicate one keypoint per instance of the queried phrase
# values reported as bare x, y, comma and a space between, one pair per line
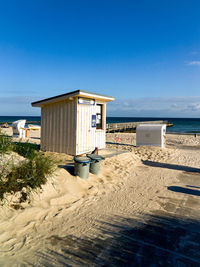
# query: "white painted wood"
88, 137
66, 125
70, 95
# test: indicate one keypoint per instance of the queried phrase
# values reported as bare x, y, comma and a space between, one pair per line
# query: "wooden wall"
58, 127
66, 127
87, 137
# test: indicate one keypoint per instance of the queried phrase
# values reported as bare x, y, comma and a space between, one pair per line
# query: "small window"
99, 116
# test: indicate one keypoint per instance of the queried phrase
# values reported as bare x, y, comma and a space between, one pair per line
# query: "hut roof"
77, 93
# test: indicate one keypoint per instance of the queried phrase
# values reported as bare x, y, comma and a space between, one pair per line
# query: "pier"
130, 126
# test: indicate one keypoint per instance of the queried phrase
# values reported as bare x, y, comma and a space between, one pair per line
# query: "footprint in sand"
7, 249
25, 228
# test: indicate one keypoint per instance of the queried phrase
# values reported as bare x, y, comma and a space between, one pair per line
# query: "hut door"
85, 131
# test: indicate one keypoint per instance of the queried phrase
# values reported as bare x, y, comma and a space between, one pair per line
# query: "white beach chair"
18, 128
151, 135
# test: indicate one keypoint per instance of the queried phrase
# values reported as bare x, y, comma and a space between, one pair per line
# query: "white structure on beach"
18, 129
151, 135
73, 123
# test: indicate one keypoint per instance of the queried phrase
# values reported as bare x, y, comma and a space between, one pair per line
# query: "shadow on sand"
183, 190
156, 240
68, 167
120, 144
33, 137
192, 186
170, 166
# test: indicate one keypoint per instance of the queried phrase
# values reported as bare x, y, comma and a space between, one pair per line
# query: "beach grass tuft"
25, 150
6, 144
30, 173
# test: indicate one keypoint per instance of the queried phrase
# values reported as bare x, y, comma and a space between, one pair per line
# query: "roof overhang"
70, 95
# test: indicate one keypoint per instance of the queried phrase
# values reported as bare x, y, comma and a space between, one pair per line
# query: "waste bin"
81, 167
95, 163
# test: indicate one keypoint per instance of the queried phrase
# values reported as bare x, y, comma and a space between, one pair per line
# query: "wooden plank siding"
87, 137
58, 127
101, 134
66, 127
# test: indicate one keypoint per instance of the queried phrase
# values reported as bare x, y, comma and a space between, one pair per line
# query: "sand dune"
128, 185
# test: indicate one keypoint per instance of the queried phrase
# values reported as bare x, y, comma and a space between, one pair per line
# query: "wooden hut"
73, 123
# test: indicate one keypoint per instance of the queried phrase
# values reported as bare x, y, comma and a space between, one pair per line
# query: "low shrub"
26, 150
31, 173
6, 144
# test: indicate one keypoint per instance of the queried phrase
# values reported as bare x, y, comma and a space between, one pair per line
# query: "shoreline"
167, 132
182, 133
180, 125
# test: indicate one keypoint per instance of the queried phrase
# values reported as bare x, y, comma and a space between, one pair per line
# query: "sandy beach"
112, 218
78, 80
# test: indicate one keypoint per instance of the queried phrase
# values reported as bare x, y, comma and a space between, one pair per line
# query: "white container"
151, 135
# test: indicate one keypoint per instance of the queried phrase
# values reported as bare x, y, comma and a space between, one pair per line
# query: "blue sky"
144, 53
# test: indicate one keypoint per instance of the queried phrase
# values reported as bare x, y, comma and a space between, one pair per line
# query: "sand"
130, 184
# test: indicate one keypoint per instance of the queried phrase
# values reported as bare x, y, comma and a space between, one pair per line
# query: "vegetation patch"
6, 144
25, 150
27, 174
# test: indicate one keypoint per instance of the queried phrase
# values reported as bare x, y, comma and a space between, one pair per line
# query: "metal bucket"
81, 167
95, 163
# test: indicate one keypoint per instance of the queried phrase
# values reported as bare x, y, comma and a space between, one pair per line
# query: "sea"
180, 125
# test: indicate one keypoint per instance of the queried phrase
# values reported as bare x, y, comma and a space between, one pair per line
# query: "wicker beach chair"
18, 129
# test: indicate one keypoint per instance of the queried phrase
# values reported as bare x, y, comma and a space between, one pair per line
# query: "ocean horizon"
180, 125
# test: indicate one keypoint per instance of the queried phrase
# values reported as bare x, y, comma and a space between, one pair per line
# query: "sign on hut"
73, 123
